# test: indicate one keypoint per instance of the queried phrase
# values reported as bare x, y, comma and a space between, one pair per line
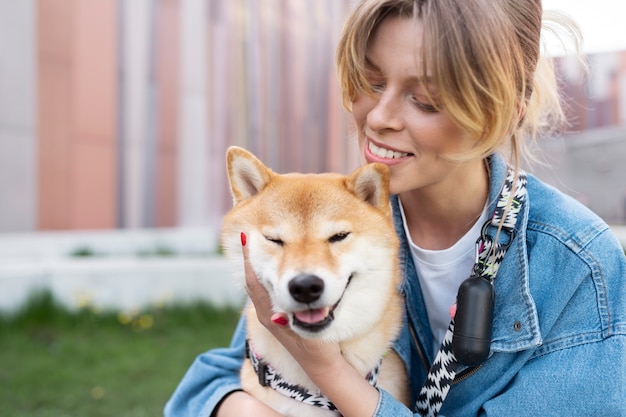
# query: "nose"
306, 288
385, 113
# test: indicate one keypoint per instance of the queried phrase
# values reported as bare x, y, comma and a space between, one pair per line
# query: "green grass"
54, 362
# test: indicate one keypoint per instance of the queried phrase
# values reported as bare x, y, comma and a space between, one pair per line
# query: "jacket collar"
516, 323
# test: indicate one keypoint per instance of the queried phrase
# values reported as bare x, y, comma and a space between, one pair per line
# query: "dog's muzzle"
307, 289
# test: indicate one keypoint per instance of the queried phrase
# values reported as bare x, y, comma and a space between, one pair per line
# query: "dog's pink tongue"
312, 316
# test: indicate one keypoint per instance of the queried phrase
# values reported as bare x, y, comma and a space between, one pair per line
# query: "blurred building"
589, 161
595, 98
117, 114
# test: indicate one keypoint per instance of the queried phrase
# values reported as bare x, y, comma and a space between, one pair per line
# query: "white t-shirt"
441, 272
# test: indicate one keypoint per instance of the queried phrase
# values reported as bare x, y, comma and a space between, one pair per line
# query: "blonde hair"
483, 59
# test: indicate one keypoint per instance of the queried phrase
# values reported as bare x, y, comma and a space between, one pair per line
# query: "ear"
370, 183
246, 174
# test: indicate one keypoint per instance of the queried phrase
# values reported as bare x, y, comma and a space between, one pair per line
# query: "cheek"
360, 108
444, 136
463, 142
357, 128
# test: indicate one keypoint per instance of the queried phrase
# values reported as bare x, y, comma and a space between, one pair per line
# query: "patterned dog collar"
269, 377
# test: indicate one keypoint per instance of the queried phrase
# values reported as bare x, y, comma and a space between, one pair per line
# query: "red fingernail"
453, 311
280, 320
243, 239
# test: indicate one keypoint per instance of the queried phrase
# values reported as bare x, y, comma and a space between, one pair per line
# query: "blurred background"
115, 116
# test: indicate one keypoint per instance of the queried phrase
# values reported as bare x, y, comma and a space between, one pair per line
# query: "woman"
446, 92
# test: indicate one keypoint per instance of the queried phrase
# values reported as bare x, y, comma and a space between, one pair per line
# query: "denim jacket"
559, 332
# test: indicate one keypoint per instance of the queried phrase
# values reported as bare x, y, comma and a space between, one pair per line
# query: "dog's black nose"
306, 288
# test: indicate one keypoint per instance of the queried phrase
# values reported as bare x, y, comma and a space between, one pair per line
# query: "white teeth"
385, 153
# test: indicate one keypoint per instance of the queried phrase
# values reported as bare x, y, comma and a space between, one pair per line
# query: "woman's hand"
323, 362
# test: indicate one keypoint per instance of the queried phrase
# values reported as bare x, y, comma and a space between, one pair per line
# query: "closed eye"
374, 78
279, 242
377, 87
424, 106
338, 237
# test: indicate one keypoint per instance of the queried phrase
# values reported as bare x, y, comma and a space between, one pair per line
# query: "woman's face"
398, 125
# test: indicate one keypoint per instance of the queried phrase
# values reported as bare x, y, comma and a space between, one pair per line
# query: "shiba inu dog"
325, 248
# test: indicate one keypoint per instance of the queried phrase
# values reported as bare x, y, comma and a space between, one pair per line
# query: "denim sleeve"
388, 406
585, 380
210, 378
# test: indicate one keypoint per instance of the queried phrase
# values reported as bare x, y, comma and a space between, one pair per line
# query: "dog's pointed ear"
371, 184
246, 174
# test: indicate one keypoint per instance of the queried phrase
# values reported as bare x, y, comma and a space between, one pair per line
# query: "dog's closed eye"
338, 237
276, 240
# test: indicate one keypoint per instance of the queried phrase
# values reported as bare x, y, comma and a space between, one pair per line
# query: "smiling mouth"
385, 153
317, 319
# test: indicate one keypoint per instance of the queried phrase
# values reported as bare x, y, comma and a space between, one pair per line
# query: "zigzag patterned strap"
270, 377
439, 378
489, 256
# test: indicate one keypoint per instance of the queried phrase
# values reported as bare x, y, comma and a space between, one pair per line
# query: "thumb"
252, 281
257, 292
